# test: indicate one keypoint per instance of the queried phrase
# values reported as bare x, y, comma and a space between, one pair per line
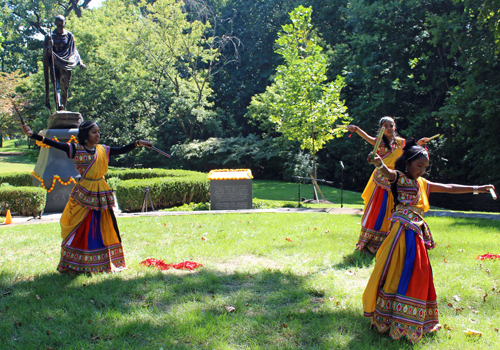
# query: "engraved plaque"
230, 194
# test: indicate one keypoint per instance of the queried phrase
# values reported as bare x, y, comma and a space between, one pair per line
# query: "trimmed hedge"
168, 188
22, 200
130, 174
22, 178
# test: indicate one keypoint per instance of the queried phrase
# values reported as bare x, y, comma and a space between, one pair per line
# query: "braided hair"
83, 131
411, 153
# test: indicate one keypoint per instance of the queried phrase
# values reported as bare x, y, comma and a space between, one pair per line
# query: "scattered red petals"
160, 264
488, 256
288, 239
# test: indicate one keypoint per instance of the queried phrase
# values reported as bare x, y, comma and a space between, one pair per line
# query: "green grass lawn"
304, 292
13, 163
288, 191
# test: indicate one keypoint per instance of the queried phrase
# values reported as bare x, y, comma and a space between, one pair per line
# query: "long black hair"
411, 153
384, 138
83, 131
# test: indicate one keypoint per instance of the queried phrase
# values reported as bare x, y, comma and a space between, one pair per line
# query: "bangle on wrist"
381, 166
475, 190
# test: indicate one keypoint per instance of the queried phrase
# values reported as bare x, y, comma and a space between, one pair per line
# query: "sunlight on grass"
304, 292
13, 163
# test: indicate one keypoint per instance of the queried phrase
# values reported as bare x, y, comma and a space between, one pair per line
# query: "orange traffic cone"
8, 218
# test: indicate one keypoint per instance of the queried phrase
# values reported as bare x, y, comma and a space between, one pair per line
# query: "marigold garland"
43, 145
160, 264
54, 179
248, 173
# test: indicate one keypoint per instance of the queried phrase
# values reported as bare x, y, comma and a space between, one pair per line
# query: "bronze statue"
60, 57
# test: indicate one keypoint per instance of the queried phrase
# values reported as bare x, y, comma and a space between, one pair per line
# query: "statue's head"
60, 20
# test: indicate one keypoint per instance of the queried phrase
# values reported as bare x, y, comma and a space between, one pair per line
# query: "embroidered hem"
404, 317
370, 240
107, 259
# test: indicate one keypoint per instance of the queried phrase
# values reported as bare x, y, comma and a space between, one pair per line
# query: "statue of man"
60, 57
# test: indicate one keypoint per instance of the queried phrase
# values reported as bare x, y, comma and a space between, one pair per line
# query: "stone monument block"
230, 189
52, 162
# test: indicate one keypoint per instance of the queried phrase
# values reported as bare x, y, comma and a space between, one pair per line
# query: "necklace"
88, 149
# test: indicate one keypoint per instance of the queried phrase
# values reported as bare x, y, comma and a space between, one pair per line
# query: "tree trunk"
314, 161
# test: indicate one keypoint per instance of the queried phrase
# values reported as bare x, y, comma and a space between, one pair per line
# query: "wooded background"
183, 75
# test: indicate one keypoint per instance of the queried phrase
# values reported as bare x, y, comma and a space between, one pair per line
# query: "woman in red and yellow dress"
91, 239
377, 197
400, 297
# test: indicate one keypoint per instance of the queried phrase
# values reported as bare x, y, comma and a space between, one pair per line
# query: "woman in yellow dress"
91, 239
400, 297
377, 197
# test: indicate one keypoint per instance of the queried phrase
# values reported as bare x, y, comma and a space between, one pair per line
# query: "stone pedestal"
65, 120
52, 161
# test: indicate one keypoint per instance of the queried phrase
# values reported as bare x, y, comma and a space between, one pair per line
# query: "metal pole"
342, 186
298, 200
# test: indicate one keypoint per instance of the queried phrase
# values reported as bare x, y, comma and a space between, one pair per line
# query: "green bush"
168, 188
113, 182
270, 204
130, 174
190, 207
22, 200
22, 178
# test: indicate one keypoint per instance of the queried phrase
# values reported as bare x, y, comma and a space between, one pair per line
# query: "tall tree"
180, 54
300, 104
10, 99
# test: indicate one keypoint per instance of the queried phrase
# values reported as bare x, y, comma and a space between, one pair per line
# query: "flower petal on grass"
230, 308
472, 332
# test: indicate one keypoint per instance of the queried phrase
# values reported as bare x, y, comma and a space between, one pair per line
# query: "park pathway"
47, 218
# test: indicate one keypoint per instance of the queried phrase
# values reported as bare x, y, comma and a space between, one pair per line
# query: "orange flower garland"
54, 179
248, 174
43, 145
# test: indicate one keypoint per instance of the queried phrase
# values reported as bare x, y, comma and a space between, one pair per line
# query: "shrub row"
22, 178
130, 174
22, 200
167, 187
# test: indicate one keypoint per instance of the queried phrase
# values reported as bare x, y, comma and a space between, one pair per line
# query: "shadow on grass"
355, 259
151, 309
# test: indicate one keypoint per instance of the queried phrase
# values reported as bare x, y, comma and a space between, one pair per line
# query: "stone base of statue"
65, 120
54, 167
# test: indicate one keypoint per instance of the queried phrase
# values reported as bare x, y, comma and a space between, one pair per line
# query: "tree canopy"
188, 72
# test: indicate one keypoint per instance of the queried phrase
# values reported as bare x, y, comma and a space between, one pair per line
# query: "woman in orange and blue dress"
91, 239
377, 197
400, 297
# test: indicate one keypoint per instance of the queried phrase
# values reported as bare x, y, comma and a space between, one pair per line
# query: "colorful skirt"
93, 245
400, 296
375, 222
